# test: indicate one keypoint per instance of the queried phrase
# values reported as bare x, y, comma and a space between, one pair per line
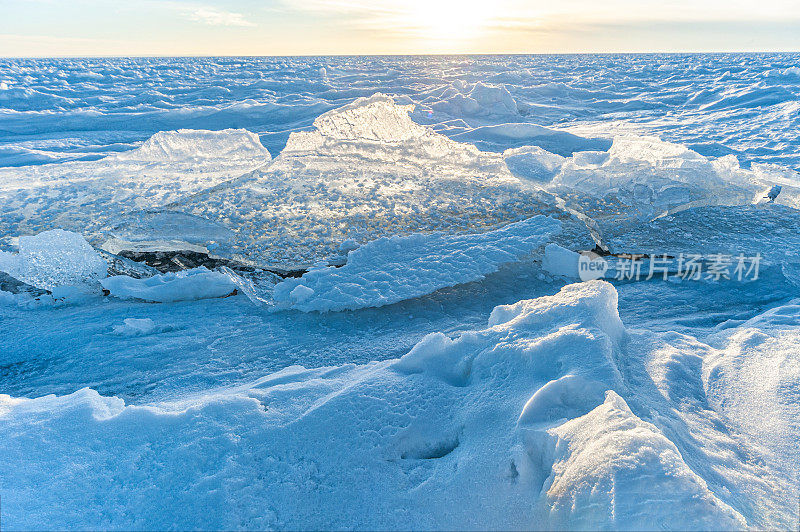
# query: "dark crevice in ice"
175, 261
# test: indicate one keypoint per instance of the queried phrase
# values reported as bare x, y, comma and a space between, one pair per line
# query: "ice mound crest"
377, 118
392, 269
379, 129
53, 259
190, 144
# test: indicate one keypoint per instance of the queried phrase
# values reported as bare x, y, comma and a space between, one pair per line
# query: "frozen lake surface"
440, 364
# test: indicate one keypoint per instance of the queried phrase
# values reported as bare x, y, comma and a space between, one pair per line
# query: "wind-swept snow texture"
529, 423
392, 269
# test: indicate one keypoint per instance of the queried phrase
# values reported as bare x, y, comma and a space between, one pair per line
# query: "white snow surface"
531, 422
396, 268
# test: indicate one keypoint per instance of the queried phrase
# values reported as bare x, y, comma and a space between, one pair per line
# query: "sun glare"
449, 22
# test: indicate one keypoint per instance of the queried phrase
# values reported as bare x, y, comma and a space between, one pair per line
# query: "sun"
449, 22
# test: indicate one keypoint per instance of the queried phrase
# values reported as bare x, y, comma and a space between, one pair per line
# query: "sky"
332, 27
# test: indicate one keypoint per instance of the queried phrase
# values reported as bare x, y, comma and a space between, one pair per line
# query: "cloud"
217, 17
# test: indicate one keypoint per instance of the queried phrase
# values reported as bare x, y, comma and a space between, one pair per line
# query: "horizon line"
433, 54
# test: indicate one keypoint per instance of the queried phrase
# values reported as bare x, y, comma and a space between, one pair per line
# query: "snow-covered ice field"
370, 314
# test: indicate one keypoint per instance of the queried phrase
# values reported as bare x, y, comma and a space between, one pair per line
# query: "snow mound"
754, 379
53, 259
617, 461
524, 424
192, 144
186, 285
392, 269
480, 101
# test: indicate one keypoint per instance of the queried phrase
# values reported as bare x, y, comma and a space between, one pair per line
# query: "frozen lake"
453, 373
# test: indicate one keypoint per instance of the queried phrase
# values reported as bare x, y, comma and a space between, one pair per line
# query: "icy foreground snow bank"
392, 269
54, 259
543, 420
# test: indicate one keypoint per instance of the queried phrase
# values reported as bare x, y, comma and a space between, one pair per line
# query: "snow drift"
536, 406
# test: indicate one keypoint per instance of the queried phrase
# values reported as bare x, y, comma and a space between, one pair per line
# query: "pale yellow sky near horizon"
330, 27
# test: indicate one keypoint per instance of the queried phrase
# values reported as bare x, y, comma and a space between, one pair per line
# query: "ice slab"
203, 145
187, 285
392, 269
114, 194
368, 171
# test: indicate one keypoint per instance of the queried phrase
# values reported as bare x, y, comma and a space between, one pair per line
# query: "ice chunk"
533, 162
377, 118
560, 261
54, 258
116, 193
193, 144
368, 171
135, 327
187, 285
389, 270
643, 178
